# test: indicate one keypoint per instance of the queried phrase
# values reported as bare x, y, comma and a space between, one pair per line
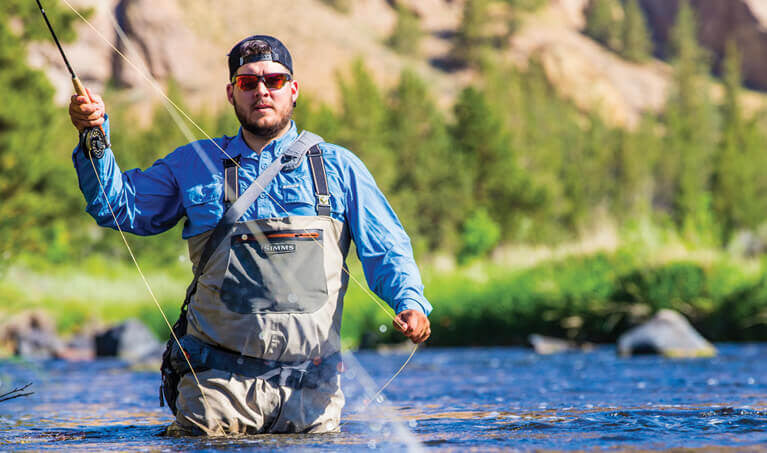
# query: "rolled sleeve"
382, 245
141, 202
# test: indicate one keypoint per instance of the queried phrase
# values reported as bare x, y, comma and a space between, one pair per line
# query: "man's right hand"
85, 114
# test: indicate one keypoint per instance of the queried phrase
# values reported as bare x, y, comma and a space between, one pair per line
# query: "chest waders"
266, 298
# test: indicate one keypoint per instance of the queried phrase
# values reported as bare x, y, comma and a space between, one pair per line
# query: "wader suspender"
231, 180
320, 180
290, 160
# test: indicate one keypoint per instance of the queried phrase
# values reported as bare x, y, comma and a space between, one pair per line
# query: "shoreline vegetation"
682, 196
590, 291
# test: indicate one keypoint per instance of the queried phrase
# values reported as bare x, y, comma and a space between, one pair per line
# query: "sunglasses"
247, 82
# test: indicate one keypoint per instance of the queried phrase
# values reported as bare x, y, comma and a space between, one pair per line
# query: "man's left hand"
414, 325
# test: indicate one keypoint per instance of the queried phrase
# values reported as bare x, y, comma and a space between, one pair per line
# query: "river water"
482, 399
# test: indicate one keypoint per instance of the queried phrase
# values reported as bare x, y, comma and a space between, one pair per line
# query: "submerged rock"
549, 345
668, 333
131, 341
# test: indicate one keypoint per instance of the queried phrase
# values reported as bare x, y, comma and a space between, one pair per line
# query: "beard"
269, 131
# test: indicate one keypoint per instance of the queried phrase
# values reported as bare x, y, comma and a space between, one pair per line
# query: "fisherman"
261, 323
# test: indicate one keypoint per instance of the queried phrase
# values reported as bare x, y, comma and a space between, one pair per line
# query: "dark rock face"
719, 22
130, 341
668, 334
163, 43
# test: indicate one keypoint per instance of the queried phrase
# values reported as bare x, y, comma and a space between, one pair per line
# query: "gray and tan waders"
264, 317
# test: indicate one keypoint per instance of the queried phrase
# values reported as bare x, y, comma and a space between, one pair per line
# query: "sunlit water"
446, 399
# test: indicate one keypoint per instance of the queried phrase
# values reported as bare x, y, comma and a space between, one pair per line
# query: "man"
262, 325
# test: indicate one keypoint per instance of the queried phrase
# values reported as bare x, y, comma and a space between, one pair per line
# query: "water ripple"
449, 399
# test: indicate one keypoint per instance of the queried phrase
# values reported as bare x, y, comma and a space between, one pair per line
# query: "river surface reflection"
446, 400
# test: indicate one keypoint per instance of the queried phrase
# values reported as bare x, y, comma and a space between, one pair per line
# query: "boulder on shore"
31, 334
131, 341
669, 334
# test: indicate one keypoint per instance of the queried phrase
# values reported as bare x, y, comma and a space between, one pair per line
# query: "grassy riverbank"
585, 296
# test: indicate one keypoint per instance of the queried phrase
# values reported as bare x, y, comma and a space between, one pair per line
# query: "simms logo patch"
273, 249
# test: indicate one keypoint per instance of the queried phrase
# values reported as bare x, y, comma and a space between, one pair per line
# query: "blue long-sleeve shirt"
189, 183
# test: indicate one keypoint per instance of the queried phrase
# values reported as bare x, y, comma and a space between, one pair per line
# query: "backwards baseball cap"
276, 52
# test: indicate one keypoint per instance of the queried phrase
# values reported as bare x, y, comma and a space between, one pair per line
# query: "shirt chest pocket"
296, 190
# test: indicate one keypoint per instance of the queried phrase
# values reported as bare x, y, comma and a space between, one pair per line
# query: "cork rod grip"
80, 89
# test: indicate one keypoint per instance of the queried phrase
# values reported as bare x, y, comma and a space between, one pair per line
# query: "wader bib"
263, 317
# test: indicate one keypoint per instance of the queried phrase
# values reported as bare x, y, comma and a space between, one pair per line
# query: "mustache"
261, 102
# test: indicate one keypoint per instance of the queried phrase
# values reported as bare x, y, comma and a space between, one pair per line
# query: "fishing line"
149, 288
146, 74
159, 90
101, 142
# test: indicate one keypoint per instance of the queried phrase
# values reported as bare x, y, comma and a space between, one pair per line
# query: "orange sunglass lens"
275, 81
247, 82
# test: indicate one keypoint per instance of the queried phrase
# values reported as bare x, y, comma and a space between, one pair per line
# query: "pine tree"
484, 144
478, 137
586, 162
686, 166
429, 191
604, 22
637, 45
36, 189
549, 127
363, 123
739, 185
472, 39
407, 34
729, 166
636, 153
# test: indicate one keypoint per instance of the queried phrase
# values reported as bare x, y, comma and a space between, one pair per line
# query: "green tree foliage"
426, 165
406, 36
363, 118
526, 5
686, 164
635, 155
317, 117
604, 22
585, 162
32, 160
472, 39
480, 139
636, 43
512, 157
739, 190
480, 233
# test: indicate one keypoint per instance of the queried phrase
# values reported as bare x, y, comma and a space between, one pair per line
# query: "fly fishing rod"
93, 139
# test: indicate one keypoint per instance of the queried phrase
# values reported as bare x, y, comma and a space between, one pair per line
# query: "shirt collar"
275, 147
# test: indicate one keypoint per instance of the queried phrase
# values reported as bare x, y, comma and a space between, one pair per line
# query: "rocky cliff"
187, 42
744, 21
